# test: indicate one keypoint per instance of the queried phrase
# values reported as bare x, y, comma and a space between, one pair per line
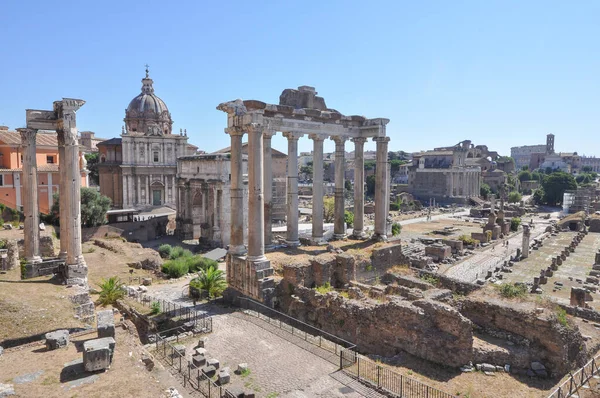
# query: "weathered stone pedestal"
98, 354
251, 278
57, 339
106, 324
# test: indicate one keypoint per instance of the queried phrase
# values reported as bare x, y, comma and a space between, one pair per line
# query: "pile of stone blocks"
98, 354
57, 339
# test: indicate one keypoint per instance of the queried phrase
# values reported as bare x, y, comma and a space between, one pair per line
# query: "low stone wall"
406, 281
337, 270
426, 328
558, 347
457, 246
47, 248
143, 325
386, 257
452, 284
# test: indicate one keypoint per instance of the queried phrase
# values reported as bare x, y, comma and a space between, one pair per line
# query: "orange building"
11, 164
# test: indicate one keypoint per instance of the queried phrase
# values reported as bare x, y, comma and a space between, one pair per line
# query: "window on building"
156, 156
1, 180
50, 159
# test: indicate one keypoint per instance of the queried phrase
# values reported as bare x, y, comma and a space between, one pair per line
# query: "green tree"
514, 197
93, 207
349, 218
370, 164
395, 165
525, 175
586, 169
92, 165
328, 209
347, 185
555, 186
211, 280
514, 223
370, 185
525, 168
485, 190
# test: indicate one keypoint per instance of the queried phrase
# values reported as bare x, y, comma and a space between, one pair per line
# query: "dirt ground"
54, 374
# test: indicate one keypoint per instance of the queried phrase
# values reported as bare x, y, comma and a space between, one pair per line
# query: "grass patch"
155, 308
430, 279
323, 289
512, 290
245, 373
561, 317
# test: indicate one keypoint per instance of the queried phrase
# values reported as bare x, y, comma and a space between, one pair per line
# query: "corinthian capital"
72, 104
359, 140
292, 136
27, 136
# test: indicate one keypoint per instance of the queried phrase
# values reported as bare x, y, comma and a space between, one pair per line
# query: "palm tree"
111, 290
212, 280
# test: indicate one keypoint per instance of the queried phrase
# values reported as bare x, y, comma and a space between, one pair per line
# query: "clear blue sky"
501, 73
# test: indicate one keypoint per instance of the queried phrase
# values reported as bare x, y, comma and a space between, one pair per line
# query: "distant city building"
590, 161
11, 169
89, 140
522, 154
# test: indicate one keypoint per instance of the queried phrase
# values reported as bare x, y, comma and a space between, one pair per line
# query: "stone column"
317, 190
62, 192
382, 187
236, 240
339, 227
292, 238
268, 187
256, 205
359, 187
30, 196
76, 266
525, 245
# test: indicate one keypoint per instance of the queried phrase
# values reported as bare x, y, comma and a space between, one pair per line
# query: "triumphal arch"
299, 113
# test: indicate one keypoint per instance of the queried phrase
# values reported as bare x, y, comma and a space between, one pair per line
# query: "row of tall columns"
236, 240
339, 226
381, 187
359, 187
292, 237
317, 197
30, 196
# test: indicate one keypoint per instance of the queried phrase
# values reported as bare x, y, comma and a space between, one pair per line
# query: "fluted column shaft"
268, 187
339, 227
236, 241
381, 188
62, 195
359, 186
256, 209
30, 196
292, 238
73, 193
317, 197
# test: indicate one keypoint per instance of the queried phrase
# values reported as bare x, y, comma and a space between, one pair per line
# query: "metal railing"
201, 320
578, 380
299, 329
351, 363
191, 374
385, 379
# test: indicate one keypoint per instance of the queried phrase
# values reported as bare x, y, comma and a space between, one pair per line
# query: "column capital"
27, 136
338, 139
317, 137
359, 140
381, 139
292, 136
268, 134
235, 131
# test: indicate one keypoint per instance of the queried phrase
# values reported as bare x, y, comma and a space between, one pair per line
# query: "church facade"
139, 169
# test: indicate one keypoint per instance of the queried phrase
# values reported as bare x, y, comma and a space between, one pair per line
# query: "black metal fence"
299, 329
198, 319
579, 380
385, 379
351, 363
191, 374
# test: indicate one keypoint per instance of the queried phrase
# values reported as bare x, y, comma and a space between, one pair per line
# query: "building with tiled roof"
11, 165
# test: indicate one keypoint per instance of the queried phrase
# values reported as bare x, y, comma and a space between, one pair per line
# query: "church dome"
147, 113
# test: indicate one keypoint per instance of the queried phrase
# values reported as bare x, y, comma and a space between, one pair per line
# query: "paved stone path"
477, 266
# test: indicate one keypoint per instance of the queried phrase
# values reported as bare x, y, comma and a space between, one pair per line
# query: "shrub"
514, 223
430, 279
211, 280
325, 288
178, 251
348, 218
197, 263
396, 228
394, 206
111, 290
488, 233
467, 240
514, 197
165, 250
510, 290
155, 308
561, 317
176, 268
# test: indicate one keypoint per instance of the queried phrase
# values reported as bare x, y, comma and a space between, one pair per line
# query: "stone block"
96, 355
179, 350
57, 339
200, 351
202, 342
213, 362
224, 377
106, 323
242, 368
146, 281
209, 370
577, 297
199, 360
